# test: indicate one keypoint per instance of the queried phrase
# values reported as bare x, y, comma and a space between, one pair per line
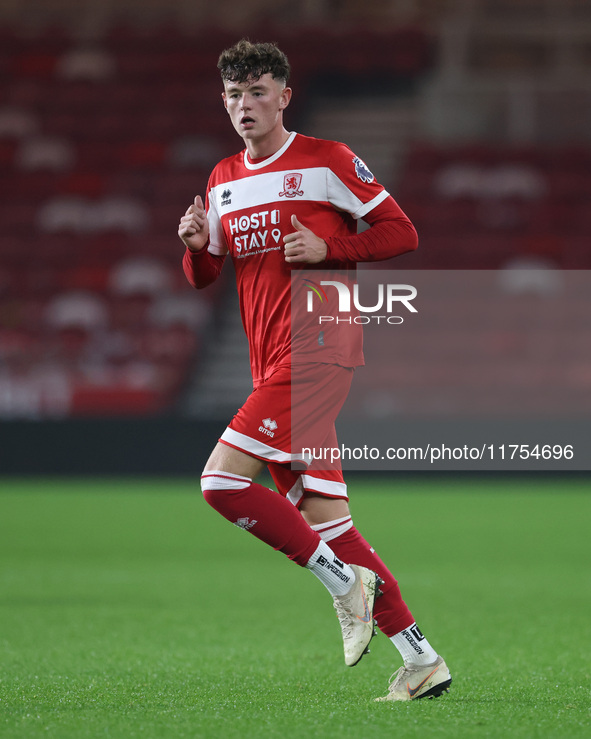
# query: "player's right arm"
200, 266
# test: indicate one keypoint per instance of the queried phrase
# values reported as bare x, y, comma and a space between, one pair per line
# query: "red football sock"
390, 611
264, 513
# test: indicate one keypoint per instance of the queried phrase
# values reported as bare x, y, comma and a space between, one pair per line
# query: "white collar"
272, 158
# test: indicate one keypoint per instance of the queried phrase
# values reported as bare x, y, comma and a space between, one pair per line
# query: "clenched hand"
194, 227
303, 245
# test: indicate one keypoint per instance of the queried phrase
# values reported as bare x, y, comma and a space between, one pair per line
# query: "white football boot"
355, 613
418, 681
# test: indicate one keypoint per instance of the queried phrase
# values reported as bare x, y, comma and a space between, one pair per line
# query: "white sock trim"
219, 480
330, 530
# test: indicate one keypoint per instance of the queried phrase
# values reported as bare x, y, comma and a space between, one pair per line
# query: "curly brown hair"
246, 60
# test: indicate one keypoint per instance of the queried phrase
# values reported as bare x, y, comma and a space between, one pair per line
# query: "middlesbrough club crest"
291, 185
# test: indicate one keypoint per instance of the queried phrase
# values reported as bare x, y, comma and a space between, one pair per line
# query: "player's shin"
390, 612
274, 520
264, 513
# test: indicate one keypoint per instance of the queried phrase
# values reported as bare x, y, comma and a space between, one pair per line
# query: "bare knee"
225, 458
217, 485
227, 471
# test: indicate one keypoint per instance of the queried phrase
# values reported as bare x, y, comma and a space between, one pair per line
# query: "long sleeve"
391, 233
201, 268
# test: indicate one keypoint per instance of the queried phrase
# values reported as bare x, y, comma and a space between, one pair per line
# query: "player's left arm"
352, 188
390, 234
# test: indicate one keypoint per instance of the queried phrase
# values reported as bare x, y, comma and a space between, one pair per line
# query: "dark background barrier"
128, 446
180, 447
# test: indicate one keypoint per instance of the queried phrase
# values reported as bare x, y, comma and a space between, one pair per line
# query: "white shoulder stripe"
265, 188
345, 199
315, 184
368, 207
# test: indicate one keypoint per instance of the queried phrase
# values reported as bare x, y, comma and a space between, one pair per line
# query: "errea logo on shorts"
269, 426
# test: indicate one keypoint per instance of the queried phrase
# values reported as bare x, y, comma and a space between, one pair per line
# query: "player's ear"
225, 99
285, 98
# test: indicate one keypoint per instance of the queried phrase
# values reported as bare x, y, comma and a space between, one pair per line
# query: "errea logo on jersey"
269, 427
291, 185
226, 197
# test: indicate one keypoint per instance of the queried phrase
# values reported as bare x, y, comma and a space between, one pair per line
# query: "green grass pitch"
131, 609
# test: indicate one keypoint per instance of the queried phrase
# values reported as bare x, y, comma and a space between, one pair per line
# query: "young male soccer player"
285, 203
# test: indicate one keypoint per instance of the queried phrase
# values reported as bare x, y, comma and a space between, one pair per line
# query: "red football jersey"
249, 206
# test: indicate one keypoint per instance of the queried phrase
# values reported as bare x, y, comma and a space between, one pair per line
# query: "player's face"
256, 107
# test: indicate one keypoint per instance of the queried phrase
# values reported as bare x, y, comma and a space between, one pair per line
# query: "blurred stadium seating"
106, 137
103, 145
476, 207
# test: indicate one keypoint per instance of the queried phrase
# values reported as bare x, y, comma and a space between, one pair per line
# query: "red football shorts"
289, 422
